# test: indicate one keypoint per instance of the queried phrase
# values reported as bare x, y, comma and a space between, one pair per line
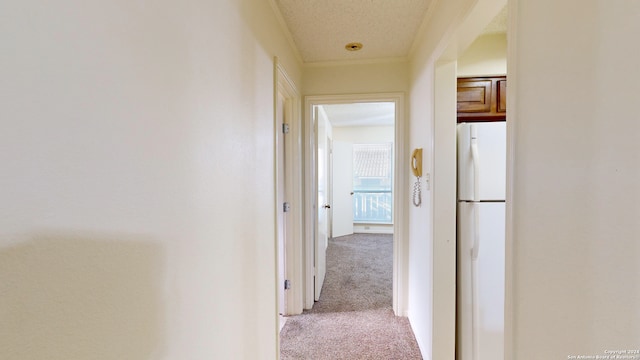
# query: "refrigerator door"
480, 297
489, 160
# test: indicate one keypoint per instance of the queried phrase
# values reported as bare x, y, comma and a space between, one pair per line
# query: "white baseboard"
282, 321
424, 350
373, 228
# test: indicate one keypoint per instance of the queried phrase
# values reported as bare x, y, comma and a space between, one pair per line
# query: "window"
372, 183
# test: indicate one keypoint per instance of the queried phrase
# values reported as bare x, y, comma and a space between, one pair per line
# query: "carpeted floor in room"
353, 318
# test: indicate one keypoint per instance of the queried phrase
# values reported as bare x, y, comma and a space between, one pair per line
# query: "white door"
330, 187
342, 205
322, 233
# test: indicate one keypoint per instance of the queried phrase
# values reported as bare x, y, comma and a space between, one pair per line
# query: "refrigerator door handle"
475, 158
475, 248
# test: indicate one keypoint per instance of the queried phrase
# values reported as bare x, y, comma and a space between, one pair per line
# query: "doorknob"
327, 206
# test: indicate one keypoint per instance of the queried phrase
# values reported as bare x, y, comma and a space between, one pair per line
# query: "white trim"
310, 199
361, 228
443, 210
512, 122
293, 189
399, 192
387, 60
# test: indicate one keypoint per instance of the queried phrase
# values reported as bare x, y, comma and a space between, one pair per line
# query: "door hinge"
287, 284
285, 128
286, 207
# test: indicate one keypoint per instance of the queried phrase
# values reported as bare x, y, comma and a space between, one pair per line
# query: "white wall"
445, 17
420, 236
576, 200
345, 137
487, 55
364, 134
126, 133
453, 26
444, 210
342, 201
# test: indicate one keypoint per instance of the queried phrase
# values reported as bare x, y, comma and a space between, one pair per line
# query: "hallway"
353, 318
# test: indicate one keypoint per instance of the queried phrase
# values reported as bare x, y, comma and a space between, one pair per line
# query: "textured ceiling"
361, 114
322, 28
499, 23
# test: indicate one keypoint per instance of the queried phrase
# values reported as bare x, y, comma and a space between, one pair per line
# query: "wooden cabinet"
482, 99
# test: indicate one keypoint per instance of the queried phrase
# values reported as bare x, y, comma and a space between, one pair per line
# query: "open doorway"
362, 183
478, 51
480, 323
354, 177
354, 167
334, 125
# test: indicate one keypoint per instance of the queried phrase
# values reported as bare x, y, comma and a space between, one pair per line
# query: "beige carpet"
353, 318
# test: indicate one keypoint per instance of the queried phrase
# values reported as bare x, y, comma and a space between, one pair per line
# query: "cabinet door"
474, 95
482, 98
502, 96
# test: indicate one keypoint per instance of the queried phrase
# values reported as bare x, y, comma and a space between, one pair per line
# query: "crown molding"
318, 64
285, 29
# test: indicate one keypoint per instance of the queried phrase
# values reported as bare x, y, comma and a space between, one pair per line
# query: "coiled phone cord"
417, 193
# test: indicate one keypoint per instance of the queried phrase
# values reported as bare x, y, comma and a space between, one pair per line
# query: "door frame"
281, 216
286, 88
330, 188
400, 241
321, 137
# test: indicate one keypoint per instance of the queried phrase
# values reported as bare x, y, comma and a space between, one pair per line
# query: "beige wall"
445, 18
126, 129
131, 133
453, 26
487, 55
344, 137
356, 79
363, 134
576, 199
420, 298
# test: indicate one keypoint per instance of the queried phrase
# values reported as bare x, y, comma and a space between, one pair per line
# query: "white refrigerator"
481, 240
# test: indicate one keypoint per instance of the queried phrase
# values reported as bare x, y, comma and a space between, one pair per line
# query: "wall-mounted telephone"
416, 167
416, 162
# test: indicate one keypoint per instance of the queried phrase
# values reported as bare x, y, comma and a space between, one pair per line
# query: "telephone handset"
416, 167
416, 162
